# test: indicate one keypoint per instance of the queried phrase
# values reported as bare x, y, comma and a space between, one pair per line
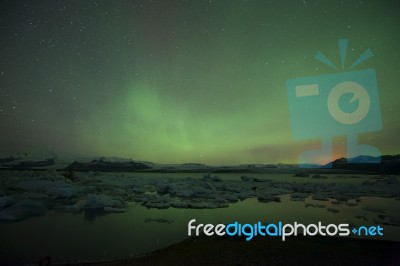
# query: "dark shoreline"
317, 250
269, 251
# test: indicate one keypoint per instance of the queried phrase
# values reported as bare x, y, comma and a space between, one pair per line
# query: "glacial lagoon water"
81, 237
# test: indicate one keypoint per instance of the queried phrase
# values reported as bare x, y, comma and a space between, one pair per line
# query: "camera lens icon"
330, 105
359, 95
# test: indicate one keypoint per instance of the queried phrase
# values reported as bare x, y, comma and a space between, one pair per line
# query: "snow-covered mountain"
72, 162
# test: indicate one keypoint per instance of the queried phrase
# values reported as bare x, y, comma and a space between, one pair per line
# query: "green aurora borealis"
181, 81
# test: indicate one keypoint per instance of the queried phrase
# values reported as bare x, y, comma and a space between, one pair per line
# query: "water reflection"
92, 235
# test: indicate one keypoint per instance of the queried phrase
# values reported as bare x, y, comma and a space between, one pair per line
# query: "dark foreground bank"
271, 251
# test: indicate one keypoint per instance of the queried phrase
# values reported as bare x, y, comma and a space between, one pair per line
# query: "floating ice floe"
100, 201
373, 209
314, 205
208, 177
318, 176
320, 197
158, 220
108, 192
249, 179
333, 210
22, 210
298, 196
268, 198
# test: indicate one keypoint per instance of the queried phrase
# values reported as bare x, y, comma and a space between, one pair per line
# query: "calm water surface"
74, 237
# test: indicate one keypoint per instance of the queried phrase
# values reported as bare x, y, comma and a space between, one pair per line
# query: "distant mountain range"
388, 164
50, 160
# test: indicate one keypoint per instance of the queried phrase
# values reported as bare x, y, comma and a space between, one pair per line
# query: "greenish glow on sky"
181, 81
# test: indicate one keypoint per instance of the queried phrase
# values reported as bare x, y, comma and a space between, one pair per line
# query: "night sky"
182, 81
